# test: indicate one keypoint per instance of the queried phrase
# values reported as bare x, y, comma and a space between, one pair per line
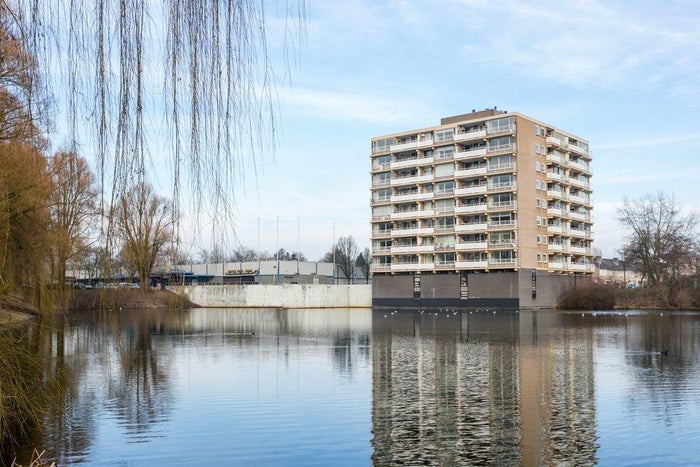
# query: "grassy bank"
606, 297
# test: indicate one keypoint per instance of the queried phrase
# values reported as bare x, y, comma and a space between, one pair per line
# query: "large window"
444, 188
445, 241
383, 178
382, 144
445, 170
503, 143
500, 124
505, 161
501, 181
445, 152
445, 223
502, 238
445, 205
501, 200
379, 212
382, 195
444, 135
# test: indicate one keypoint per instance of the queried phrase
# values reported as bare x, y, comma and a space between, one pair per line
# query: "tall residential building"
484, 192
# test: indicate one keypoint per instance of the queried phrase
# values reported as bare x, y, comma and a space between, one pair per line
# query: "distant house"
615, 271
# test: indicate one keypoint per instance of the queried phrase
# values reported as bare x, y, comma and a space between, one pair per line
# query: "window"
501, 181
445, 223
503, 143
501, 200
382, 144
382, 178
445, 152
539, 221
537, 148
444, 135
537, 202
505, 161
537, 130
381, 211
382, 195
445, 205
445, 241
500, 124
444, 170
445, 188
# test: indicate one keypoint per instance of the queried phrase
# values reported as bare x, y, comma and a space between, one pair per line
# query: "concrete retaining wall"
278, 296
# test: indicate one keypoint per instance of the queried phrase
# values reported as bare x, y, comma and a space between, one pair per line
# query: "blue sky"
623, 75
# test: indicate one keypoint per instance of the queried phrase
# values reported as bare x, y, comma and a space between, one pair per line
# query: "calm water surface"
356, 387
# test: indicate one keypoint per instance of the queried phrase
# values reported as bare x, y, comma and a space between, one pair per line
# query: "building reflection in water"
482, 388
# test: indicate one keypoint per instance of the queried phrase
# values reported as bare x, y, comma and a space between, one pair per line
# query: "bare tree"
144, 224
661, 238
73, 208
345, 256
364, 263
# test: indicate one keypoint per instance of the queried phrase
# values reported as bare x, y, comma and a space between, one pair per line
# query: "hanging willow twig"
201, 68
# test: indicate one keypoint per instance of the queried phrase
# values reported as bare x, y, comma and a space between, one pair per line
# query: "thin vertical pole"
298, 243
278, 249
334, 252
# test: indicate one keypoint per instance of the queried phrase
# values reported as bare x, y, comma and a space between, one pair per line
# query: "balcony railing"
476, 227
501, 206
471, 190
411, 179
471, 172
470, 153
412, 197
476, 134
481, 264
470, 208
403, 146
500, 186
467, 246
501, 147
415, 162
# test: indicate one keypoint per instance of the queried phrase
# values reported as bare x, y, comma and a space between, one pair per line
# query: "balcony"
410, 145
557, 229
585, 168
502, 246
396, 250
471, 264
472, 190
580, 216
498, 225
480, 227
555, 212
578, 150
556, 194
412, 197
412, 232
470, 246
503, 262
469, 209
502, 129
557, 266
555, 247
381, 233
479, 134
380, 167
579, 233
411, 214
584, 184
381, 250
411, 163
554, 176
381, 217
502, 206
501, 148
502, 186
412, 267
506, 167
581, 250
374, 268
555, 158
554, 141
579, 199
470, 154
380, 183
576, 267
474, 172
411, 180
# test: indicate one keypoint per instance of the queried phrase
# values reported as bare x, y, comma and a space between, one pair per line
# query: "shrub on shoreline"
588, 297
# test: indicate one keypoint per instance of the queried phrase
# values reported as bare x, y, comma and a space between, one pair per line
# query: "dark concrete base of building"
525, 288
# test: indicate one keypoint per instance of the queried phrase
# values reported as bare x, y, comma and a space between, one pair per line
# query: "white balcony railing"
470, 227
470, 172
412, 266
410, 145
411, 180
472, 208
396, 250
471, 190
412, 231
471, 153
412, 197
470, 246
471, 264
501, 148
412, 163
478, 134
412, 214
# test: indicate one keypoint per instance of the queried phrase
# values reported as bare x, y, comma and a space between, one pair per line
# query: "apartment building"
482, 193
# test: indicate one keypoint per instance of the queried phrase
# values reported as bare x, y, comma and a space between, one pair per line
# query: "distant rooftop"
470, 116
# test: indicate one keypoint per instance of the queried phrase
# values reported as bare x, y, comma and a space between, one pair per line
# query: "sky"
622, 74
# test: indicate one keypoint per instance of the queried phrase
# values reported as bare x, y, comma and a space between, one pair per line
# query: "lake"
363, 387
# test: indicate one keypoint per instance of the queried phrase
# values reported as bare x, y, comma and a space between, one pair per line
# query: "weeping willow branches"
140, 78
